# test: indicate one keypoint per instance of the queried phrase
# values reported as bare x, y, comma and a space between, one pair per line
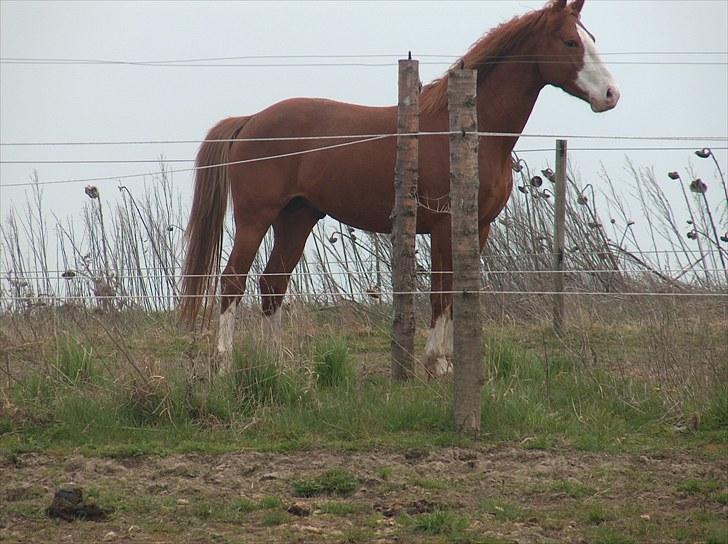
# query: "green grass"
342, 508
75, 363
693, 486
596, 514
575, 490
274, 518
332, 364
720, 498
439, 522
332, 482
501, 510
269, 406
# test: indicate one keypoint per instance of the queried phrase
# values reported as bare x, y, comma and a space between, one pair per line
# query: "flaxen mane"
484, 54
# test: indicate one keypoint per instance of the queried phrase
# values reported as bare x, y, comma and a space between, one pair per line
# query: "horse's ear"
558, 4
576, 6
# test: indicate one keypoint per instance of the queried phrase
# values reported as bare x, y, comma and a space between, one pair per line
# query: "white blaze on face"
594, 78
438, 351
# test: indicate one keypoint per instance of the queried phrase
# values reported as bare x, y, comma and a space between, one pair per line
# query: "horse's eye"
571, 44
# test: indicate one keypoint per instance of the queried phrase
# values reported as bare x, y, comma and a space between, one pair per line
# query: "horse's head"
568, 57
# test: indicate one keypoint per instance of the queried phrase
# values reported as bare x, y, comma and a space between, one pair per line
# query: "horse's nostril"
610, 94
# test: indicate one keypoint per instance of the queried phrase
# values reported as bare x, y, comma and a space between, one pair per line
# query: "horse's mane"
483, 55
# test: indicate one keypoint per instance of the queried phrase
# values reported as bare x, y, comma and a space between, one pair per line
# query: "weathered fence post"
404, 221
464, 188
559, 233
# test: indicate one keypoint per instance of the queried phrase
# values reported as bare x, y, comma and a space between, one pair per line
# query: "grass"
439, 522
332, 364
332, 482
693, 486
540, 401
501, 510
341, 508
271, 405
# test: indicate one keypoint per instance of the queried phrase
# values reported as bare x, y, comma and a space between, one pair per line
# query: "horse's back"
320, 117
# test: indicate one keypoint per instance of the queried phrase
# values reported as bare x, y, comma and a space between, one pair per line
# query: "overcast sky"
108, 102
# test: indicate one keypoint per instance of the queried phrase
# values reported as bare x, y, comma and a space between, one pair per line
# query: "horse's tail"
204, 233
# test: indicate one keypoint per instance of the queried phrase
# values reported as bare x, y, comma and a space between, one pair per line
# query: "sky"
664, 94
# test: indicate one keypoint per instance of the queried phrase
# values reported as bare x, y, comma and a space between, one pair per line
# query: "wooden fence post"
404, 221
559, 235
464, 188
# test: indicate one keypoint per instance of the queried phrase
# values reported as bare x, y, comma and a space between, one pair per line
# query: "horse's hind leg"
248, 236
291, 229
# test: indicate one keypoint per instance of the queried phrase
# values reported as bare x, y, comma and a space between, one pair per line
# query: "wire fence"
140, 260
356, 139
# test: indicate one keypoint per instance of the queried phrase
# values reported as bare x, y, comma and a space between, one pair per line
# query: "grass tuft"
440, 522
332, 363
332, 482
74, 363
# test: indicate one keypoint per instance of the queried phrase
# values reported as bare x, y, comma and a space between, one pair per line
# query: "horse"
353, 184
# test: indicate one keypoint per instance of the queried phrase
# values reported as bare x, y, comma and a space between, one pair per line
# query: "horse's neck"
506, 99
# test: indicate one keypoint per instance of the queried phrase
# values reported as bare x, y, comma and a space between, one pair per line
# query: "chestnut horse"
354, 184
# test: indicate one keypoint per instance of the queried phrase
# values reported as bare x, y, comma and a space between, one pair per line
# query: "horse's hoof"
437, 367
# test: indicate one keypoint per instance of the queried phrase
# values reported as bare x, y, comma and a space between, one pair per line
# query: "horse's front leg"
439, 348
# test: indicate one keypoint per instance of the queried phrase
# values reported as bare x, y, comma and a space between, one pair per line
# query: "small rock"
183, 502
645, 517
422, 506
415, 455
108, 537
299, 509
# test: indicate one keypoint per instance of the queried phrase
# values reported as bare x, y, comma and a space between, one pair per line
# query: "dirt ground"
506, 494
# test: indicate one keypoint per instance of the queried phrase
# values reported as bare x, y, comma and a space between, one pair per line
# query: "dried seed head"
693, 235
724, 238
333, 239
582, 199
703, 153
545, 193
170, 229
92, 192
549, 175
68, 275
593, 225
516, 165
673, 175
689, 221
523, 189
536, 181
697, 186
630, 223
613, 221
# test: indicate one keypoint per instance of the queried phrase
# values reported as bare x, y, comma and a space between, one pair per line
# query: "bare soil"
506, 494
